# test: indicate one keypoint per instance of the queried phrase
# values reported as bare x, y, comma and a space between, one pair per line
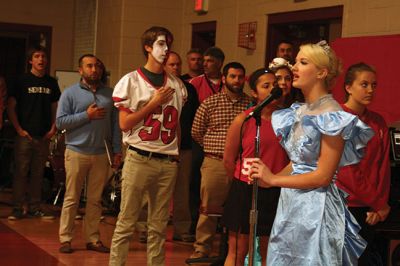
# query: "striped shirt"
213, 119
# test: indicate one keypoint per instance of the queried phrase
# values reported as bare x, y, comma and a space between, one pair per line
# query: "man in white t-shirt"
149, 102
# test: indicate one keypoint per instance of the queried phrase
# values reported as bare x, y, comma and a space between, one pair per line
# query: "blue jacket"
82, 134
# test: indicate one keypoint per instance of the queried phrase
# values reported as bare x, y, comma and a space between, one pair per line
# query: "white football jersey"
158, 131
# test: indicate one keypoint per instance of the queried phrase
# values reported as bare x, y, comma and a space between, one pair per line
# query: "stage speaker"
395, 144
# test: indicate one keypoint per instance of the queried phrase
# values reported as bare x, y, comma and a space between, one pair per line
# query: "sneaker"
16, 214
66, 248
198, 255
98, 247
41, 214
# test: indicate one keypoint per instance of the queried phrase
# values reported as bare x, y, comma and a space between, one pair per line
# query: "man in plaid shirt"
210, 125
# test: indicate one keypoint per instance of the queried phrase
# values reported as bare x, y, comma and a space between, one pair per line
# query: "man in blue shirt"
87, 114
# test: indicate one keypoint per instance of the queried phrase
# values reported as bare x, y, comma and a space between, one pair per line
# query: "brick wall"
84, 29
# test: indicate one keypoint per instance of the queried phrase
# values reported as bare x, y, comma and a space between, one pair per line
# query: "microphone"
276, 93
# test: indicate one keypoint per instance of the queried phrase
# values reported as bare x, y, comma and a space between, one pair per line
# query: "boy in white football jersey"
149, 102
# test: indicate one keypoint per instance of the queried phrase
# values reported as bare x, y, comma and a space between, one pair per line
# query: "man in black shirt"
181, 217
31, 108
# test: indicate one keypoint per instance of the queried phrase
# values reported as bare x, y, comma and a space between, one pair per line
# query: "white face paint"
160, 49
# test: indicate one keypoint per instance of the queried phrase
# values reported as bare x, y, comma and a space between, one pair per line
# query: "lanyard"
211, 85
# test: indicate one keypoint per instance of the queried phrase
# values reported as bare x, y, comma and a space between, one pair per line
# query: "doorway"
15, 40
203, 35
303, 26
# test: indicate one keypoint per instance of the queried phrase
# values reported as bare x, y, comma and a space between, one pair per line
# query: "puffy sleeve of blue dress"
313, 226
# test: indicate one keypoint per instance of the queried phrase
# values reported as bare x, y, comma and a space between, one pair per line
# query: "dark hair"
285, 41
194, 51
350, 75
253, 80
295, 94
216, 53
83, 56
235, 65
35, 49
151, 35
275, 69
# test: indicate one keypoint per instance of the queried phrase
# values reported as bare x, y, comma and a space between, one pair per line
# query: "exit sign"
201, 6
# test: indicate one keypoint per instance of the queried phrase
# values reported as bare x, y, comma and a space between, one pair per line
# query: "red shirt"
271, 151
368, 182
204, 87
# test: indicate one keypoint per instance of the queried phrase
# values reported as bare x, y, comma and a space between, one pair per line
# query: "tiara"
278, 62
324, 45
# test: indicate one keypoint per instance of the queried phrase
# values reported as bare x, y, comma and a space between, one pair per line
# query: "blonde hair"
324, 58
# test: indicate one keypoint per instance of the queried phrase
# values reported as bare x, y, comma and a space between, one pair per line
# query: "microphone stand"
254, 211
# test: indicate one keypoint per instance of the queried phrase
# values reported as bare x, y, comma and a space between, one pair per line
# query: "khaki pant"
95, 169
157, 177
214, 189
181, 218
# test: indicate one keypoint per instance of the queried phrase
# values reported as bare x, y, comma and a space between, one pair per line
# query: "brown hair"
151, 35
351, 75
35, 49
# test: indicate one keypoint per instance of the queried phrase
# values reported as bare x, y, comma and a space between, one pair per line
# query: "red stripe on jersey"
117, 99
148, 81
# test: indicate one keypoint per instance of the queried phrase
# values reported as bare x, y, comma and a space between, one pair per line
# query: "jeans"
30, 160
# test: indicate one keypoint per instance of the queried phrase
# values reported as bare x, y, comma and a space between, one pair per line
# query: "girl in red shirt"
368, 182
238, 203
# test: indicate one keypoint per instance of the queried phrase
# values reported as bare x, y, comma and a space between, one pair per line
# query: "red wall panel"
383, 52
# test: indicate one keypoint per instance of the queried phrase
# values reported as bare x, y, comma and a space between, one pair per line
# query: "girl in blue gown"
312, 225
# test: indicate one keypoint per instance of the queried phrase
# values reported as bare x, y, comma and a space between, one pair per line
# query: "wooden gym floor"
32, 241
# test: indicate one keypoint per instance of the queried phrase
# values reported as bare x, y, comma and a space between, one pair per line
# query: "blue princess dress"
313, 226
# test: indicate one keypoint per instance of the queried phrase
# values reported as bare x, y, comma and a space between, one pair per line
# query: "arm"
382, 210
330, 154
200, 122
284, 172
12, 115
66, 118
128, 120
232, 145
287, 170
371, 176
53, 128
383, 187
